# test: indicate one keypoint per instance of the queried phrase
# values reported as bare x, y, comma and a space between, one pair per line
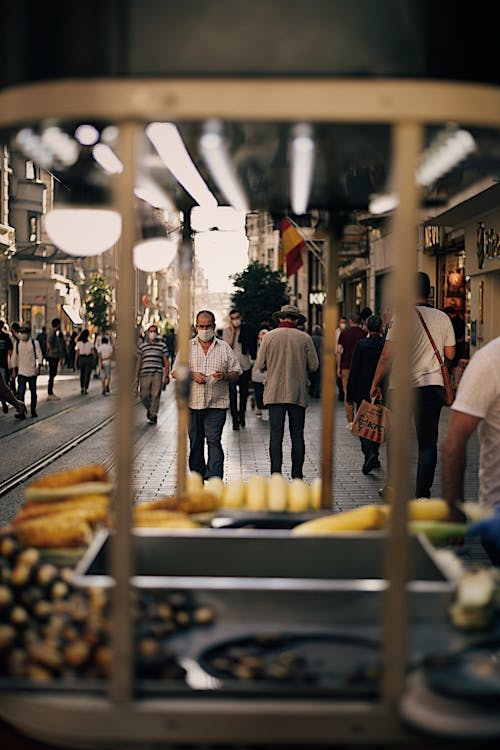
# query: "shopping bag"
371, 422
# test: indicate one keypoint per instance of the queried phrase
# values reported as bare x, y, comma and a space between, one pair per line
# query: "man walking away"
213, 367
242, 339
317, 338
288, 355
345, 346
363, 365
105, 354
54, 355
426, 379
42, 340
152, 372
5, 354
26, 362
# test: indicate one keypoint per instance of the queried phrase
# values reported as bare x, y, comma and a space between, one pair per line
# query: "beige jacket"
287, 354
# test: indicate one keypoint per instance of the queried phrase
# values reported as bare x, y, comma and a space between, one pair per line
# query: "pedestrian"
459, 329
364, 314
42, 340
317, 338
170, 340
341, 327
152, 371
242, 339
26, 362
15, 338
258, 381
84, 360
363, 365
348, 339
213, 365
105, 354
6, 348
426, 379
7, 397
288, 355
476, 407
55, 354
71, 354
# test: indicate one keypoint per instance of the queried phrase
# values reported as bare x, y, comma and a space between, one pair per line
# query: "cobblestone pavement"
246, 450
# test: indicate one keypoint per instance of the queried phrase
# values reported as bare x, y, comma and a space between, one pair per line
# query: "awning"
72, 314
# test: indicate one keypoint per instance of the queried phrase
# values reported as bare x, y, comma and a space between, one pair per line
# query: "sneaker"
385, 493
33, 413
53, 397
5, 408
236, 426
107, 389
242, 421
82, 391
265, 415
153, 419
20, 414
258, 412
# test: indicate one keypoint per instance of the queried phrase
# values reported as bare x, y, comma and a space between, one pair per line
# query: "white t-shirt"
25, 358
106, 351
479, 396
425, 368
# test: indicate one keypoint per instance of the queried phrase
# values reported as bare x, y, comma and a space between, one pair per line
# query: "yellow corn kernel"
422, 509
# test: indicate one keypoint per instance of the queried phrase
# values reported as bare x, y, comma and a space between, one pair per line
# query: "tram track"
22, 476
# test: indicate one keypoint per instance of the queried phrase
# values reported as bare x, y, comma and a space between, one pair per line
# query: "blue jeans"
296, 421
206, 424
24, 381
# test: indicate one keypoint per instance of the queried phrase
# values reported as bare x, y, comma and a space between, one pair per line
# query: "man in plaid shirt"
213, 366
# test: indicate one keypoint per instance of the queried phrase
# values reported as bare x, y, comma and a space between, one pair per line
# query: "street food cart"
377, 601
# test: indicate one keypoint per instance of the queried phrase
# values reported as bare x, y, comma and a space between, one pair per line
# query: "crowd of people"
277, 366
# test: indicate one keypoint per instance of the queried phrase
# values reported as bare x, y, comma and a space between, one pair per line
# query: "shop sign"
488, 244
317, 298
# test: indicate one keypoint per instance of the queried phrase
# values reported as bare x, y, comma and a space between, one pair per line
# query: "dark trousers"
429, 401
258, 390
85, 365
53, 362
206, 424
24, 381
241, 386
296, 421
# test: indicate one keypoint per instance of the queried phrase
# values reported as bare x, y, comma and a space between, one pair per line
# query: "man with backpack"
26, 362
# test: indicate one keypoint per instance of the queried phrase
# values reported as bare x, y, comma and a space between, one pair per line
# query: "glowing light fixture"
87, 135
168, 142
106, 157
381, 203
83, 231
450, 147
148, 190
302, 167
154, 254
214, 150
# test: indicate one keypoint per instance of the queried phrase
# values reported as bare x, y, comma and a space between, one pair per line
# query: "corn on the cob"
162, 519
361, 519
91, 473
59, 530
37, 510
422, 509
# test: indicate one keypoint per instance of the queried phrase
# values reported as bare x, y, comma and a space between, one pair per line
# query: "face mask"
152, 335
206, 334
236, 322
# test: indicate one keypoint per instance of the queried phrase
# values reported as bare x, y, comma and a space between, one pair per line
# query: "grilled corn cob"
59, 530
97, 503
422, 509
365, 518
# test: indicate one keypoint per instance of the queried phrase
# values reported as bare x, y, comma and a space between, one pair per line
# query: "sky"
221, 253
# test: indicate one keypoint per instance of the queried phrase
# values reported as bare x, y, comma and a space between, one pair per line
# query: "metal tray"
229, 518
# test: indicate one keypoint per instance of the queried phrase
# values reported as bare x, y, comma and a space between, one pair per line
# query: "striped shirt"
219, 358
152, 356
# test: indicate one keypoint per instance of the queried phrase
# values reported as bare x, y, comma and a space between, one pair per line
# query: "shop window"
33, 227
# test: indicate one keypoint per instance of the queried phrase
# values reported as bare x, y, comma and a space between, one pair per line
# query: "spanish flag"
292, 242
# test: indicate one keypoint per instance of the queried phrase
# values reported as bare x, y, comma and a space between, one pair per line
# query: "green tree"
258, 292
97, 302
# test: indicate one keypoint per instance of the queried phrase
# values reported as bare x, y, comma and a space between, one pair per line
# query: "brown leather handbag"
449, 395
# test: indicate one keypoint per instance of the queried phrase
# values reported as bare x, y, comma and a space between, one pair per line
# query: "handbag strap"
436, 350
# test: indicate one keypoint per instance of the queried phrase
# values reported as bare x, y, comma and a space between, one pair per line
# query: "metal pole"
183, 379
121, 679
329, 368
407, 139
